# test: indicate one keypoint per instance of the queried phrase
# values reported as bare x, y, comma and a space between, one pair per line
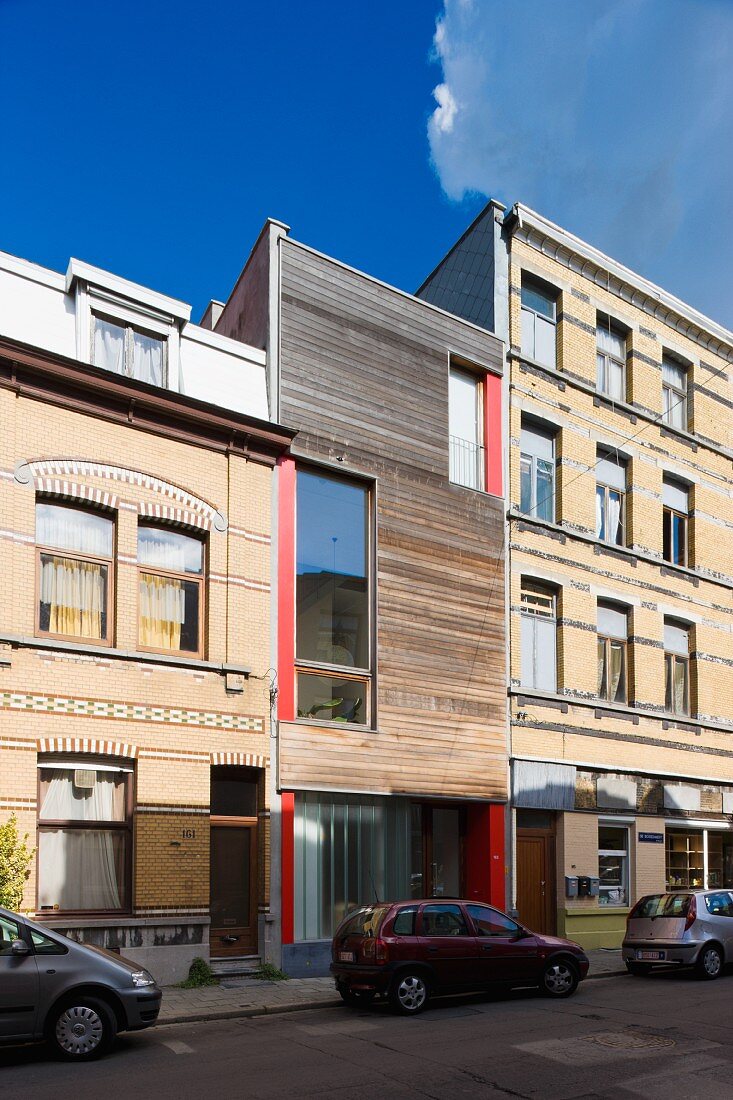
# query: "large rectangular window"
675, 521
610, 498
75, 564
349, 850
538, 636
170, 584
676, 667
537, 472
674, 393
539, 317
699, 858
466, 428
84, 837
332, 629
610, 359
612, 652
613, 865
124, 350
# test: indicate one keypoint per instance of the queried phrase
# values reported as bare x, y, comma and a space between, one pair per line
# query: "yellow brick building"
135, 683
620, 573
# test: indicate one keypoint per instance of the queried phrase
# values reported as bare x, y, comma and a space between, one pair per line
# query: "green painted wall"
593, 927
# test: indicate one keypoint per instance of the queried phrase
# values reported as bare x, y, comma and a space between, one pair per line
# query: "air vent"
85, 779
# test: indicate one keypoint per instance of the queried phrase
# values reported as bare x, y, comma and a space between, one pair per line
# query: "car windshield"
364, 922
663, 905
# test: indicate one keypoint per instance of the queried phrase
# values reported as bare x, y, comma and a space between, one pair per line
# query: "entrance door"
437, 851
233, 861
536, 879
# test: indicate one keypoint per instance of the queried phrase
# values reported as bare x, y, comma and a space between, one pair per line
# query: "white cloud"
613, 119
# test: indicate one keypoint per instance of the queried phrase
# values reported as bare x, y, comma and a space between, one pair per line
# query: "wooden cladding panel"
365, 381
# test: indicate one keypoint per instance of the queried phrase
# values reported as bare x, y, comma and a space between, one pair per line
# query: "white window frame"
529, 317
615, 823
467, 457
531, 614
682, 825
604, 358
130, 329
673, 397
532, 458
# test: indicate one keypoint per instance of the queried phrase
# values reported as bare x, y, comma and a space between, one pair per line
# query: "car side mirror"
19, 947
522, 934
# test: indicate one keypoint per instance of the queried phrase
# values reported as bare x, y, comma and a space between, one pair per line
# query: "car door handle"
433, 950
486, 946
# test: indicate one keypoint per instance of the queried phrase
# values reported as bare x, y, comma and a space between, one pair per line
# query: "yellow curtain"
76, 594
162, 611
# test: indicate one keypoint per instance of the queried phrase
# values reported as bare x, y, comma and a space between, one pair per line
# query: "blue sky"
153, 139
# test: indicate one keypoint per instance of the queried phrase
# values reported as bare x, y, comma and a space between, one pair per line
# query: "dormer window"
126, 350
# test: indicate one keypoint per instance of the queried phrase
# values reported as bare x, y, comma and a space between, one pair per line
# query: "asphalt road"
665, 1037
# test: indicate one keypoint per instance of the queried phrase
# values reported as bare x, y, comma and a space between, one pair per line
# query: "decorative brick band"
182, 810
250, 536
127, 712
175, 515
77, 492
18, 804
245, 759
170, 911
87, 745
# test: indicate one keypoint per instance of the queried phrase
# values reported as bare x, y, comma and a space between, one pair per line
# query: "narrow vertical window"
675, 521
538, 636
539, 319
611, 498
170, 585
332, 628
610, 358
537, 472
466, 427
74, 548
674, 393
613, 865
676, 667
612, 653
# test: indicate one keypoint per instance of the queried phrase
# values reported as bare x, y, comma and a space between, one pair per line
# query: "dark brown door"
438, 834
233, 887
536, 880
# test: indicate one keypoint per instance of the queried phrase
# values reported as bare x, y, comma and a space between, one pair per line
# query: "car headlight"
141, 978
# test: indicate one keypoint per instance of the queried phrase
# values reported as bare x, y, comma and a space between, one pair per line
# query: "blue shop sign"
651, 838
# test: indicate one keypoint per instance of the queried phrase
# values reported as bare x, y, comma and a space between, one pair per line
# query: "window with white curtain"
74, 549
676, 667
675, 520
125, 350
170, 582
674, 392
537, 471
466, 428
539, 319
84, 837
610, 358
613, 629
538, 636
613, 864
610, 498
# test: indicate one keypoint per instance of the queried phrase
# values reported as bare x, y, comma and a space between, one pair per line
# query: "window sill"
144, 656
352, 727
527, 699
56, 920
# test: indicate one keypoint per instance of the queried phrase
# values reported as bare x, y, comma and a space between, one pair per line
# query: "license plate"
346, 956
651, 955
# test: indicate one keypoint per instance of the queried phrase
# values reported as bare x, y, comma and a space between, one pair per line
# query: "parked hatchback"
75, 996
406, 951
691, 928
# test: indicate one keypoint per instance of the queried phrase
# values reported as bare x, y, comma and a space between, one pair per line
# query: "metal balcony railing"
467, 463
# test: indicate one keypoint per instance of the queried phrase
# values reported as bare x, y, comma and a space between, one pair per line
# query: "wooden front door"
233, 887
536, 879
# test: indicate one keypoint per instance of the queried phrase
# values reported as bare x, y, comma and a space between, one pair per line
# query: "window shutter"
527, 642
676, 639
611, 470
538, 442
546, 659
612, 621
675, 495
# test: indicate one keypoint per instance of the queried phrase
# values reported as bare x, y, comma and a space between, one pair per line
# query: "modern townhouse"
136, 462
390, 649
620, 572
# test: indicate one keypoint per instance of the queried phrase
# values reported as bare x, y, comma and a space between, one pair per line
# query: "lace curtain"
162, 611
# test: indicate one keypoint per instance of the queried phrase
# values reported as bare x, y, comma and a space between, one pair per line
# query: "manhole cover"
630, 1041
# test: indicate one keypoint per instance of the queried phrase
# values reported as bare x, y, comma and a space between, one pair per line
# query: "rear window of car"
364, 922
662, 905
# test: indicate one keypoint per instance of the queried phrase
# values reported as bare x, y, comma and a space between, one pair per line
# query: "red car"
408, 950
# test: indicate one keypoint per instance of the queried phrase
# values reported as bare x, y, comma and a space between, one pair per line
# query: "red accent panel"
492, 430
287, 866
286, 591
484, 853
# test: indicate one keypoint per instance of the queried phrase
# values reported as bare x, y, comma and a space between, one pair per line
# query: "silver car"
691, 928
75, 996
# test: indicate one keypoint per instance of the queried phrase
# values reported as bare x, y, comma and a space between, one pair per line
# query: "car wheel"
709, 963
409, 993
639, 970
355, 996
559, 979
82, 1028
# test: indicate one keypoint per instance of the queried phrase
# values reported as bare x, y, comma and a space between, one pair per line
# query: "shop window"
75, 568
171, 590
539, 321
610, 358
612, 652
676, 667
84, 837
122, 349
466, 428
333, 613
613, 865
611, 498
537, 471
675, 521
674, 393
538, 637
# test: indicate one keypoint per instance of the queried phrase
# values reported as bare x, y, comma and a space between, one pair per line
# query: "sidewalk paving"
242, 997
